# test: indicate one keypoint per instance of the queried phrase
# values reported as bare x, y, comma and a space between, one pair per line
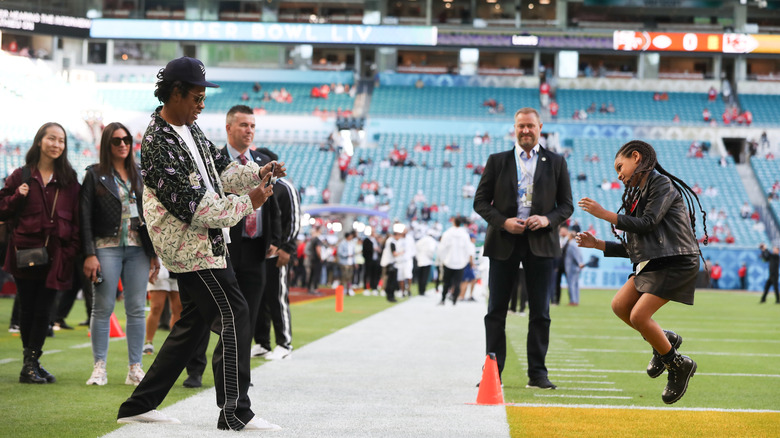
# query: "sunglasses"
116, 141
199, 98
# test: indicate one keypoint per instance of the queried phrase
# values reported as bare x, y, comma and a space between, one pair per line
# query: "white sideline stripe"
625, 338
614, 397
641, 408
566, 388
9, 360
84, 345
590, 382
698, 373
708, 353
581, 376
52, 351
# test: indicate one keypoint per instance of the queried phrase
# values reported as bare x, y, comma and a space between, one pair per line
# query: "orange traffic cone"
339, 298
490, 392
116, 329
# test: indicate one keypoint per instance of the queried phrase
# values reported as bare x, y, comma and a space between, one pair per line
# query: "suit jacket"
496, 200
246, 253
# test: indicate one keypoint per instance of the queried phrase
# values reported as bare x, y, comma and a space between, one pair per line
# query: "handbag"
34, 257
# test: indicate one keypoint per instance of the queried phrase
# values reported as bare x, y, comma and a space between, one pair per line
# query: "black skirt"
671, 278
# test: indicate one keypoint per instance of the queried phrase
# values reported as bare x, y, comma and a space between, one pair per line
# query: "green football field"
597, 362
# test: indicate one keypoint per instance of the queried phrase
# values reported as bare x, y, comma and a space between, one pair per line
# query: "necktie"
242, 159
251, 224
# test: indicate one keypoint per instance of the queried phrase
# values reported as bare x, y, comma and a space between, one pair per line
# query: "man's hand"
154, 269
284, 258
261, 193
515, 225
537, 222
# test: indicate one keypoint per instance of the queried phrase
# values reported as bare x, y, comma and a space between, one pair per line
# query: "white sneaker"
99, 376
153, 416
259, 351
279, 353
148, 348
134, 374
258, 423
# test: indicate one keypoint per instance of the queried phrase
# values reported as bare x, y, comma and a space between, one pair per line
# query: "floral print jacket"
184, 219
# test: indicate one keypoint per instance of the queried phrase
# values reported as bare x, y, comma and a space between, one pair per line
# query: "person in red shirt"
544, 94
715, 274
742, 274
712, 94
554, 109
706, 114
748, 117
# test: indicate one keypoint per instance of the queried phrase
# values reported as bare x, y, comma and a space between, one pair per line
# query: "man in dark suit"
371, 254
524, 195
250, 239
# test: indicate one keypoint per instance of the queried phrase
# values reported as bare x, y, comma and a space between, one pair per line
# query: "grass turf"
598, 361
70, 408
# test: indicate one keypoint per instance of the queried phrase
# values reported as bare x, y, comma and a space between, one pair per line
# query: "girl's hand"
592, 207
586, 240
23, 190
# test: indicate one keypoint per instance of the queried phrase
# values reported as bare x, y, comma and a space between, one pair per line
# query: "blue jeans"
133, 265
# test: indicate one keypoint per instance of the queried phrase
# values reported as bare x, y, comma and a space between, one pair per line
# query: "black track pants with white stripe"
275, 308
211, 301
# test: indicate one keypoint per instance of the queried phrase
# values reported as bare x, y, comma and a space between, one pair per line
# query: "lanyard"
521, 167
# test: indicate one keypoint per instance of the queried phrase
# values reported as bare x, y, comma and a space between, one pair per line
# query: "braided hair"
648, 163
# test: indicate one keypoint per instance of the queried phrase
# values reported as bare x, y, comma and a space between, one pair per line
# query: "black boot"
656, 367
680, 369
41, 370
29, 372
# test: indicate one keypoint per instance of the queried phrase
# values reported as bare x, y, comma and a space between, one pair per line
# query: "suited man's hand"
537, 222
515, 225
284, 258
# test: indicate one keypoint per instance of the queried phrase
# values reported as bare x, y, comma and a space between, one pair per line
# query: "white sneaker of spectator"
135, 374
258, 423
279, 353
259, 351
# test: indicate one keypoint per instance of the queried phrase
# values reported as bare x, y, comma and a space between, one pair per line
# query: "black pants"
771, 281
35, 304
392, 282
313, 282
275, 309
211, 301
66, 298
519, 292
373, 272
423, 275
501, 280
452, 280
559, 273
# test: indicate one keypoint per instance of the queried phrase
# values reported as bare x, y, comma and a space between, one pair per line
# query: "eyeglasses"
199, 98
116, 141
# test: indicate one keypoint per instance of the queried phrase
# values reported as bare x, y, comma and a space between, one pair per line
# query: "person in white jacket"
426, 252
455, 252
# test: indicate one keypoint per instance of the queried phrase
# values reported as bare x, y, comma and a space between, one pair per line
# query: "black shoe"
540, 383
656, 367
63, 325
29, 373
84, 323
680, 369
193, 381
49, 377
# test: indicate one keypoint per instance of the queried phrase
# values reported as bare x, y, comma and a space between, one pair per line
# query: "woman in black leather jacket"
115, 244
661, 242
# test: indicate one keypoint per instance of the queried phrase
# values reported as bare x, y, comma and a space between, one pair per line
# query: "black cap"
188, 70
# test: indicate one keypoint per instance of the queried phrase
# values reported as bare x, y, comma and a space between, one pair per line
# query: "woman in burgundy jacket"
28, 201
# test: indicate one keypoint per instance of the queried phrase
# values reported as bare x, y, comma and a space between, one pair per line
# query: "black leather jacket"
101, 211
658, 227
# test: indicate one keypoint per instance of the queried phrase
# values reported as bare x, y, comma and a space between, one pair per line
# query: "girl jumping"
659, 224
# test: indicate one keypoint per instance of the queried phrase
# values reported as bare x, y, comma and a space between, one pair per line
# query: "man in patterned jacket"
187, 212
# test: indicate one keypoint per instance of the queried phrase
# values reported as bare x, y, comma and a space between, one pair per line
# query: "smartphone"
99, 277
273, 169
